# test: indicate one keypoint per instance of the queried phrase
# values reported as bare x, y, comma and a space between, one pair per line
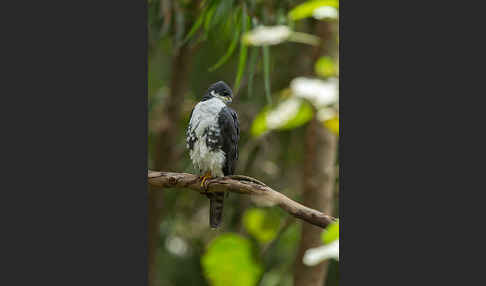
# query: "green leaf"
325, 67
229, 261
331, 233
228, 53
259, 125
209, 18
306, 9
245, 20
224, 11
232, 21
304, 38
266, 73
304, 114
195, 27
332, 124
263, 224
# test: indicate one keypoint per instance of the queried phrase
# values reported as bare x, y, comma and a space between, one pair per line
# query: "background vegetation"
281, 59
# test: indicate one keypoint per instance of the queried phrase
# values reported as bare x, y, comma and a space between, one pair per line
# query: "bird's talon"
204, 184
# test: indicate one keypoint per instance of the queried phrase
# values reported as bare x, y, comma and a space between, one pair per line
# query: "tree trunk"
165, 151
319, 177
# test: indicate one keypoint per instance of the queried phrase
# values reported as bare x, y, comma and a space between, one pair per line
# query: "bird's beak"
228, 99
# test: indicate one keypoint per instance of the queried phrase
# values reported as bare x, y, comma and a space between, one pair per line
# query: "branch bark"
241, 185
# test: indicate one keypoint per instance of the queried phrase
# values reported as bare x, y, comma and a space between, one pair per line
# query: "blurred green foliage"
332, 124
326, 67
306, 9
263, 224
331, 233
229, 261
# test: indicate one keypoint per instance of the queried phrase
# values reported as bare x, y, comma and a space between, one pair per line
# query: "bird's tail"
215, 209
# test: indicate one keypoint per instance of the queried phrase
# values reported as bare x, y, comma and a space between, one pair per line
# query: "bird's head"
220, 90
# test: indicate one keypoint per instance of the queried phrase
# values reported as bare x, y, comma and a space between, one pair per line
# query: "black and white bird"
212, 140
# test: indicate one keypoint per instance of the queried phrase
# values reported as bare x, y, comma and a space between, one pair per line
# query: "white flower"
176, 245
267, 35
316, 255
282, 113
319, 92
325, 12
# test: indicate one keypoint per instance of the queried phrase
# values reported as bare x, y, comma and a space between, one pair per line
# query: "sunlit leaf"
306, 9
229, 261
303, 115
259, 125
326, 67
331, 233
263, 224
332, 124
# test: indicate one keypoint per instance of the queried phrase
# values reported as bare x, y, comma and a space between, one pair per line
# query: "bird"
212, 137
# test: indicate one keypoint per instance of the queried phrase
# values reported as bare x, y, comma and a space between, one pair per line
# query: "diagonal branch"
242, 185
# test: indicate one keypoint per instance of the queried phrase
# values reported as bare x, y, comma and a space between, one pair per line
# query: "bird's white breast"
205, 115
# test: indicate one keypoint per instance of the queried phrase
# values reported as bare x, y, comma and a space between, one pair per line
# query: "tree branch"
242, 185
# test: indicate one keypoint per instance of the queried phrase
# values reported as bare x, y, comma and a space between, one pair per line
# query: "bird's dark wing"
230, 135
190, 135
